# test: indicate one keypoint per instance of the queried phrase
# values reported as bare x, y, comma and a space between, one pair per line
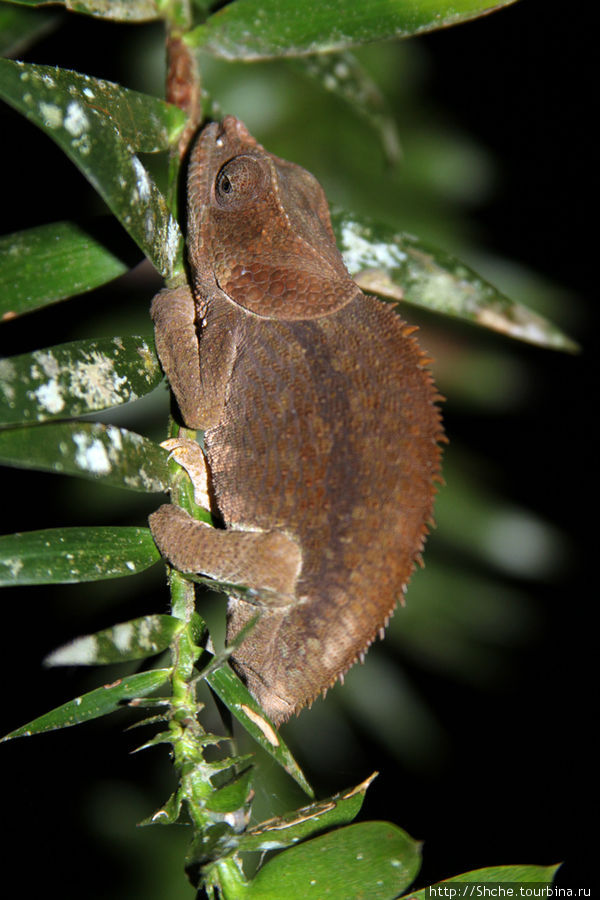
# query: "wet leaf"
301, 824
70, 555
99, 125
371, 859
400, 267
136, 639
94, 704
91, 450
73, 379
42, 265
264, 29
244, 707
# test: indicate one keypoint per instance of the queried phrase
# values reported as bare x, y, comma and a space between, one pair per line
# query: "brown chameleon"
321, 429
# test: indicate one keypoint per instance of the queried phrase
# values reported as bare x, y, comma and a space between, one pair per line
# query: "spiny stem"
212, 832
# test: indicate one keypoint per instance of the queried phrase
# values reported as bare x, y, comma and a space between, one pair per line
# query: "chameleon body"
321, 429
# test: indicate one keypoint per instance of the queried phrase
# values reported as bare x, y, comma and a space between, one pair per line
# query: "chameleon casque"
321, 426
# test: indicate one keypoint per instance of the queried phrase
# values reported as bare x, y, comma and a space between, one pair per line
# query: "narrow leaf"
343, 75
244, 707
91, 450
136, 639
263, 29
129, 11
168, 814
371, 859
69, 555
94, 704
19, 28
42, 265
72, 379
396, 265
514, 875
301, 824
98, 124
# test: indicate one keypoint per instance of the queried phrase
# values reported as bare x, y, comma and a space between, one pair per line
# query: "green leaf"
70, 555
117, 10
303, 823
371, 859
99, 124
42, 265
94, 704
91, 450
168, 814
263, 29
73, 379
234, 795
19, 28
343, 75
396, 265
136, 639
244, 707
496, 874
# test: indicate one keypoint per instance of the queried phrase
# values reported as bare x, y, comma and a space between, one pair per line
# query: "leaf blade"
136, 639
94, 704
244, 707
132, 11
495, 875
304, 823
89, 450
343, 74
73, 555
43, 265
264, 29
98, 124
368, 859
19, 28
76, 378
400, 267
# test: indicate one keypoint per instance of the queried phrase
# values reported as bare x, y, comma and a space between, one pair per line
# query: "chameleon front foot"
267, 563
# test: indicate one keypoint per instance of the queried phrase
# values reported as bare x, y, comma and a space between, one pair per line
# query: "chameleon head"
261, 225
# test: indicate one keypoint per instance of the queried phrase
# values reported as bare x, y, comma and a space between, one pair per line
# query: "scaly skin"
321, 429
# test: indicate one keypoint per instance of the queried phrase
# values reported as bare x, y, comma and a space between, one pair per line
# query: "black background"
516, 787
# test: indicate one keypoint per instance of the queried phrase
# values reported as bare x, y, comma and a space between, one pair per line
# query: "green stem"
213, 837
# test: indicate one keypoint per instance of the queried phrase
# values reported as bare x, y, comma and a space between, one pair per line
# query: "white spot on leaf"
83, 651
142, 180
123, 636
49, 396
76, 121
91, 454
13, 565
52, 116
361, 253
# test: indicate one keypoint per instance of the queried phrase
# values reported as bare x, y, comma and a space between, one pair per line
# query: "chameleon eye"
240, 181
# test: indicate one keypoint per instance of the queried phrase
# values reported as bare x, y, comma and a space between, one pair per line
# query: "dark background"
515, 784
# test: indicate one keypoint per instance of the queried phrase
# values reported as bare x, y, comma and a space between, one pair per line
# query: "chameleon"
321, 425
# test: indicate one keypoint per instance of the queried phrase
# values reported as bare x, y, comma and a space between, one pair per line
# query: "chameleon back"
329, 434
